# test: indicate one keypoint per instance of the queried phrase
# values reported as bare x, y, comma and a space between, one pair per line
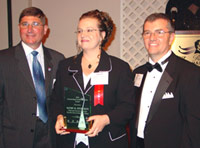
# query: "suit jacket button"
33, 114
32, 130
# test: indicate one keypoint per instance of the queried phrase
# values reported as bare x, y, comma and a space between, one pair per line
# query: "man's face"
32, 31
157, 38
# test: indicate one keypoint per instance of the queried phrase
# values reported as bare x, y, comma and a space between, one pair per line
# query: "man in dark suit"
24, 120
168, 98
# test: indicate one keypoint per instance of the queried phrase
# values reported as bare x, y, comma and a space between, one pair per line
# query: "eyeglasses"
33, 24
89, 30
157, 33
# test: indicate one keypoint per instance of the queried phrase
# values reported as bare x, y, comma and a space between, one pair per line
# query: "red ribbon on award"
98, 95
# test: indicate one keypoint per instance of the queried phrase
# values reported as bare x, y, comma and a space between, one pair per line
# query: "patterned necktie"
39, 87
150, 67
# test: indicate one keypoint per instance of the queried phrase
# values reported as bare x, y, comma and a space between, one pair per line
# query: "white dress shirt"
150, 85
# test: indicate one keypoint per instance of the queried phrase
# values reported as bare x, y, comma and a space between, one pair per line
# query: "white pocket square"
168, 95
54, 80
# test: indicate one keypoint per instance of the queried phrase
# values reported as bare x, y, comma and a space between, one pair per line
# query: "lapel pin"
49, 68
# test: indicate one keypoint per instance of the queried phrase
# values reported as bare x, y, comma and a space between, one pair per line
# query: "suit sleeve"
1, 109
191, 109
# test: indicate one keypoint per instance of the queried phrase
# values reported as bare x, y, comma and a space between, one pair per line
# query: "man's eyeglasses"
89, 30
34, 24
156, 33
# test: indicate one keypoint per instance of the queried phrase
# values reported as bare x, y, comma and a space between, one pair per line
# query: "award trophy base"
76, 130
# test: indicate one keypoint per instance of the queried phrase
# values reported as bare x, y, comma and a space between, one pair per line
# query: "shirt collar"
28, 49
162, 59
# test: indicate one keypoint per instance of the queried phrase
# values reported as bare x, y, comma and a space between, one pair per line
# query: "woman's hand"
60, 126
99, 122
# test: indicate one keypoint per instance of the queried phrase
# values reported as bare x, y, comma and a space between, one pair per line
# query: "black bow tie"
150, 67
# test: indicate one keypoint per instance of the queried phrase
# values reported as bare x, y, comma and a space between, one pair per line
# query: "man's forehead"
159, 20
30, 18
156, 24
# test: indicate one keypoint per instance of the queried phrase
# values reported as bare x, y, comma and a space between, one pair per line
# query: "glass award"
77, 110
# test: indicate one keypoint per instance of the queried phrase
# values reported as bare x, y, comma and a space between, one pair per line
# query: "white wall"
17, 7
63, 18
3, 24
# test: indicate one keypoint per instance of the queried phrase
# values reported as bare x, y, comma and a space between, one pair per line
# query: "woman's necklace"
90, 65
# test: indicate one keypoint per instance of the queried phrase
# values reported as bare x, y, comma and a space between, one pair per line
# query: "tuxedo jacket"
118, 99
174, 116
18, 101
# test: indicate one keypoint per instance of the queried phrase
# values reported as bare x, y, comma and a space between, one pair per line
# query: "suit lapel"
48, 69
23, 64
161, 89
76, 71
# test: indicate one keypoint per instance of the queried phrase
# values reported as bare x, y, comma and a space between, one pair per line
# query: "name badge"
99, 78
138, 80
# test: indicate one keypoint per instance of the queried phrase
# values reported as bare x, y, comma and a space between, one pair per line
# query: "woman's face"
88, 34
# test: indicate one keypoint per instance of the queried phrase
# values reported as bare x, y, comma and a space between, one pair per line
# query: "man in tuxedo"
167, 87
27, 74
